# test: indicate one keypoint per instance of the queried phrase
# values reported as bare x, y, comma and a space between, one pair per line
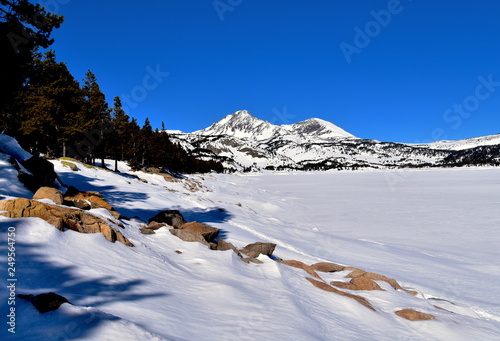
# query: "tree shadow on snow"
208, 215
36, 274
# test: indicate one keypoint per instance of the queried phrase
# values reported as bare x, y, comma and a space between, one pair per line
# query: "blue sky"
404, 71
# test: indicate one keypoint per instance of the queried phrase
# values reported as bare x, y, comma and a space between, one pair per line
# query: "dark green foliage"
95, 117
51, 107
478, 156
46, 109
24, 27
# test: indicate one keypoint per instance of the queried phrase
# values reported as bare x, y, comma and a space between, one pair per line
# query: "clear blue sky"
414, 76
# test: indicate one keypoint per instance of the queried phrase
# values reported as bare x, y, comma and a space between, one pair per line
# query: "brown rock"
49, 193
413, 315
255, 249
250, 260
344, 285
327, 267
324, 286
375, 277
82, 204
61, 218
147, 231
300, 265
358, 283
155, 226
189, 236
208, 232
222, 245
83, 198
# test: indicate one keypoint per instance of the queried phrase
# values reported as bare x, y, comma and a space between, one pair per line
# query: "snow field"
435, 231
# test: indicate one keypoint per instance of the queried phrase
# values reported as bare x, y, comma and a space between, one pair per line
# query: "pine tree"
23, 28
121, 133
97, 116
145, 139
51, 106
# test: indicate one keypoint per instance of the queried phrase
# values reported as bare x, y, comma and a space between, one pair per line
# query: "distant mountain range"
243, 142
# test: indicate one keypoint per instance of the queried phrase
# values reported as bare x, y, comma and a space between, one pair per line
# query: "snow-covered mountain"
242, 141
244, 125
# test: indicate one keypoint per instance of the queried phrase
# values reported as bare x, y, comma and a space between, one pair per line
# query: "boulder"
61, 217
222, 245
155, 226
414, 315
208, 232
42, 173
327, 267
45, 302
300, 265
324, 286
248, 260
375, 277
255, 249
70, 165
49, 193
189, 236
87, 200
171, 217
145, 230
81, 204
358, 283
359, 274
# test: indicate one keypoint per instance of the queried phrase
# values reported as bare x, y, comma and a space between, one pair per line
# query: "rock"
358, 273
358, 283
171, 217
155, 226
81, 204
189, 236
145, 230
42, 173
255, 249
300, 265
88, 200
170, 178
327, 267
363, 283
326, 287
222, 245
70, 165
71, 191
375, 277
45, 302
413, 315
49, 193
250, 260
61, 217
208, 232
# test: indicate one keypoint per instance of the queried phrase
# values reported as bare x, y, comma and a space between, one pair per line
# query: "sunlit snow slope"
435, 231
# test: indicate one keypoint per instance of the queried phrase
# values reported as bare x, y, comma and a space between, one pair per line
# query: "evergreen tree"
121, 132
51, 106
145, 140
97, 117
23, 28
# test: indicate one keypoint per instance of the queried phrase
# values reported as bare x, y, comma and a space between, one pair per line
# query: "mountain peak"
320, 128
242, 124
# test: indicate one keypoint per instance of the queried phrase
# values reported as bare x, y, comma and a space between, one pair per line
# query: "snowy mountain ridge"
242, 141
244, 125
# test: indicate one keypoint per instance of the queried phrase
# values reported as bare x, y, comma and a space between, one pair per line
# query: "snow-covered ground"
435, 231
